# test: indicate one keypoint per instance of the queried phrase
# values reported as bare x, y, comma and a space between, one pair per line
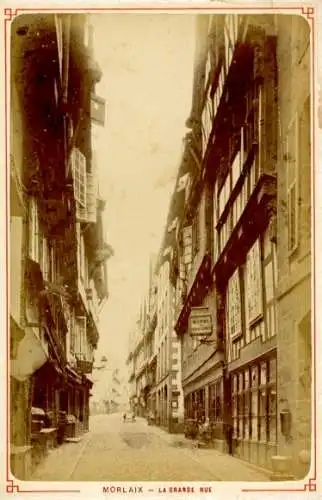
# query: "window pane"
246, 379
246, 428
254, 372
263, 379
272, 429
262, 429
262, 403
234, 406
272, 400
235, 427
254, 428
254, 400
247, 403
240, 382
272, 369
235, 383
240, 428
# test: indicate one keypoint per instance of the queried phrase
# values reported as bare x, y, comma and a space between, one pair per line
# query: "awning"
31, 354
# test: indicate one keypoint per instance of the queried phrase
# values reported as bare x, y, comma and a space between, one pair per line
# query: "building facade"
241, 250
56, 233
294, 260
154, 357
108, 392
234, 270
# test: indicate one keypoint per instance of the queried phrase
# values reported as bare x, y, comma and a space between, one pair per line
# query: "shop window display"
254, 399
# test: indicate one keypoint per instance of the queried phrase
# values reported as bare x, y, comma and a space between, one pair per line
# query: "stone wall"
294, 267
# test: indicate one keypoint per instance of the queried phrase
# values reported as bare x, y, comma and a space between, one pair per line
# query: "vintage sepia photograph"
160, 248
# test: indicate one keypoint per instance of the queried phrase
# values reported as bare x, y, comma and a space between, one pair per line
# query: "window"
79, 176
254, 296
254, 402
234, 301
200, 407
236, 168
207, 119
33, 230
292, 184
223, 196
81, 334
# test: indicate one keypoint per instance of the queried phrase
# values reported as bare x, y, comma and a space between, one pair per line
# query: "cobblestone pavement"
133, 451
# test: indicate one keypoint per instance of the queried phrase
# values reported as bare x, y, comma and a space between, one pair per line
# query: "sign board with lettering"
200, 322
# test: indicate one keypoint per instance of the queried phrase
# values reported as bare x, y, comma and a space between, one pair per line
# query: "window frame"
79, 177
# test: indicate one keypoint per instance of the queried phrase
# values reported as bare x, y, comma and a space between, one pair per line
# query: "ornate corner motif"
309, 12
11, 487
311, 485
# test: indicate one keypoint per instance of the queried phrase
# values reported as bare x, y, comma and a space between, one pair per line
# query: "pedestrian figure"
133, 416
124, 417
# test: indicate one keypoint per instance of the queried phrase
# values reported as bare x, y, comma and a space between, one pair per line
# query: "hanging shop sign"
200, 322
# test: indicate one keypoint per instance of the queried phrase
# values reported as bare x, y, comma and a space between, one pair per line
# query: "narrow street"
133, 451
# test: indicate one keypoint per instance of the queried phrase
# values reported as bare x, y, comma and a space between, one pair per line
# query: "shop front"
204, 402
254, 411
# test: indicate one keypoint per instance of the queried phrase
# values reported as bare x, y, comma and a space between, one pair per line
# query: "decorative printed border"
307, 11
